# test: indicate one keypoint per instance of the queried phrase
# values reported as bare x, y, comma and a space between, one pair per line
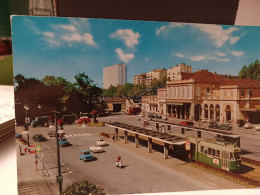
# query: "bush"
82, 188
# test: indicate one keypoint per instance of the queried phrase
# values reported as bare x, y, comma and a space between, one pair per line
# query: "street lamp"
26, 126
59, 177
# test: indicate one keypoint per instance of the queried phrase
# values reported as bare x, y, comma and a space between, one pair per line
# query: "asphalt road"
141, 174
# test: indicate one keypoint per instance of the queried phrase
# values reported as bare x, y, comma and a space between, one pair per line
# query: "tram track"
7, 129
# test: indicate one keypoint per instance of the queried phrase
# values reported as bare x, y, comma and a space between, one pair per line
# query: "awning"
249, 109
173, 103
179, 143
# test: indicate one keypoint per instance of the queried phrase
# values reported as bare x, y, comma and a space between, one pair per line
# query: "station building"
210, 97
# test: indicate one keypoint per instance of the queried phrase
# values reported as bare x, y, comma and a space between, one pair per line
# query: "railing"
7, 129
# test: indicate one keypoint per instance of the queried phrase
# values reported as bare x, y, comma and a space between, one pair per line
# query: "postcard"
126, 107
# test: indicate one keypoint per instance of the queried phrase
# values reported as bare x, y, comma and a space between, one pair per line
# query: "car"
39, 138
101, 142
248, 126
225, 127
17, 136
53, 134
96, 148
85, 155
257, 127
64, 142
213, 125
83, 119
187, 123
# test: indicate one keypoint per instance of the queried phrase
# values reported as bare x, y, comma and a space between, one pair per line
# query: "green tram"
218, 154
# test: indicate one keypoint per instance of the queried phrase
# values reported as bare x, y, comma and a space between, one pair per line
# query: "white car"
96, 148
101, 142
257, 127
248, 126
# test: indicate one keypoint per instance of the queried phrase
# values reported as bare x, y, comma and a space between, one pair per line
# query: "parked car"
225, 127
17, 136
213, 125
257, 127
96, 148
187, 123
101, 142
84, 119
85, 155
53, 134
248, 126
39, 138
64, 142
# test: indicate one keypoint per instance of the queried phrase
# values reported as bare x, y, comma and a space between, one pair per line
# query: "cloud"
221, 54
75, 37
205, 57
124, 57
197, 58
237, 53
179, 55
53, 43
68, 27
146, 59
169, 26
216, 33
129, 37
48, 34
233, 40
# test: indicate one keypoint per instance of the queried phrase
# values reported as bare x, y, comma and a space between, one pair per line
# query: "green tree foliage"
83, 188
251, 71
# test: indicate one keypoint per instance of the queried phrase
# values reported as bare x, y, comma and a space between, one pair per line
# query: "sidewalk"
30, 180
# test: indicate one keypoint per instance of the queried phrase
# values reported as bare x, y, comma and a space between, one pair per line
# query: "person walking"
20, 149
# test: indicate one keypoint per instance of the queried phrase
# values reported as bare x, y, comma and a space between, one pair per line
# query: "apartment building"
139, 79
158, 74
174, 74
114, 75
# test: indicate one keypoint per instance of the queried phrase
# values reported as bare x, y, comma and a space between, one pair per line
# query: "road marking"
79, 134
75, 135
71, 135
26, 187
66, 136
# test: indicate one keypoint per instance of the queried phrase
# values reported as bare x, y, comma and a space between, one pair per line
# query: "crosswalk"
26, 188
75, 135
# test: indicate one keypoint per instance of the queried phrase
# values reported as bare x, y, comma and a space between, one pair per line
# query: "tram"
218, 154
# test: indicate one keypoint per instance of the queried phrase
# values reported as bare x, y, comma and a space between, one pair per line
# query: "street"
143, 173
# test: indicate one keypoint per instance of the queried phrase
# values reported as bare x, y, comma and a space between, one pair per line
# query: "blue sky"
68, 46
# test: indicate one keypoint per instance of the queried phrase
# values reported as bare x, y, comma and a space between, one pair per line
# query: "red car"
187, 123
83, 120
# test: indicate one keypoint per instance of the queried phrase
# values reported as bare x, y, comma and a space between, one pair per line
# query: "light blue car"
64, 142
85, 155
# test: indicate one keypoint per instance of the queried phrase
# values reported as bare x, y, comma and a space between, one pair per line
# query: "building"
174, 73
158, 74
114, 75
139, 79
210, 97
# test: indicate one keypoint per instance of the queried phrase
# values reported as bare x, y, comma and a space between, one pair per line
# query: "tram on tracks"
221, 155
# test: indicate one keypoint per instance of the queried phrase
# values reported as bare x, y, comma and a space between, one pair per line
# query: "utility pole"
59, 177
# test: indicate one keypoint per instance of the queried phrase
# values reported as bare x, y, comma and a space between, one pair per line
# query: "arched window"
208, 89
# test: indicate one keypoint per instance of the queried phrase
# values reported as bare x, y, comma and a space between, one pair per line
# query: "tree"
82, 188
252, 71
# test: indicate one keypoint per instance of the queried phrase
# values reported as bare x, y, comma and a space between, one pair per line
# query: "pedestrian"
118, 159
25, 150
61, 122
20, 148
114, 138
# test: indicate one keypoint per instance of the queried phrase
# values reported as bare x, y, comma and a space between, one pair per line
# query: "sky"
67, 46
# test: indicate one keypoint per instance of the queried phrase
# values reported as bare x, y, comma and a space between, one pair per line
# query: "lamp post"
26, 126
59, 176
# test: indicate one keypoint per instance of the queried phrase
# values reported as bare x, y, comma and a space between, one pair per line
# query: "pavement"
30, 180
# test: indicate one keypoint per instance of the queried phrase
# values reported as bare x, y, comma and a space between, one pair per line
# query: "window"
225, 93
231, 93
213, 152
208, 89
201, 148
217, 153
209, 151
242, 93
250, 93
